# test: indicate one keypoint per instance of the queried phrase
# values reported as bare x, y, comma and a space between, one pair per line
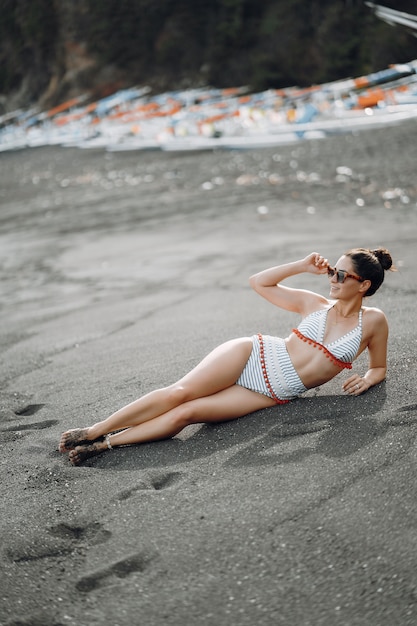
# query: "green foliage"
28, 40
229, 22
168, 43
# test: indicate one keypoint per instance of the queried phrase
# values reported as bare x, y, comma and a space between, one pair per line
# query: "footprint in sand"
407, 408
403, 416
28, 410
93, 533
136, 563
155, 483
60, 540
32, 426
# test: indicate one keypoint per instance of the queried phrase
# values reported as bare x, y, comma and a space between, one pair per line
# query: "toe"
62, 447
74, 457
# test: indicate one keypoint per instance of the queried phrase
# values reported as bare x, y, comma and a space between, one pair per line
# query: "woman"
252, 373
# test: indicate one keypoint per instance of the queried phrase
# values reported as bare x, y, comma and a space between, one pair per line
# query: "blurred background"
51, 50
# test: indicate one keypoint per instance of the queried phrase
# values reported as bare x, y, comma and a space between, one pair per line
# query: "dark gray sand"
119, 272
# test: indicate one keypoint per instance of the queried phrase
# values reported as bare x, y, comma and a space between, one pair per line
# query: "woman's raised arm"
267, 284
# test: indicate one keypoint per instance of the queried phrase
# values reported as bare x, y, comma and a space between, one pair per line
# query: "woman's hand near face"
268, 284
315, 263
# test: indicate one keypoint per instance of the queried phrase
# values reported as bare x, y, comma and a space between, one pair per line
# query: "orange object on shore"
371, 98
361, 82
60, 108
73, 117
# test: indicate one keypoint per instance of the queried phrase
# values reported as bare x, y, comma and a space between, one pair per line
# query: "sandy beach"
118, 273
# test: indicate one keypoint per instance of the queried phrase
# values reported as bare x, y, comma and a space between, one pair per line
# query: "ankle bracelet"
107, 440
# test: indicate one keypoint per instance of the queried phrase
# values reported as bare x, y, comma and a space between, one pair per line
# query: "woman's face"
350, 286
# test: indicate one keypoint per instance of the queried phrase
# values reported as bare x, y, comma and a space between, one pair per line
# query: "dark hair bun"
383, 257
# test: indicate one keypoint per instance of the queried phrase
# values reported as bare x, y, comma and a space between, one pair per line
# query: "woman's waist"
313, 366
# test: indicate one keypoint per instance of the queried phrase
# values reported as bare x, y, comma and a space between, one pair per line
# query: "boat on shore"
209, 118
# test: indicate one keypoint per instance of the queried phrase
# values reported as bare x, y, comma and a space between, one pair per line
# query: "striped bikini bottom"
269, 370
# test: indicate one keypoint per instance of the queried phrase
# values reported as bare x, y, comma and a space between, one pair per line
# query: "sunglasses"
341, 275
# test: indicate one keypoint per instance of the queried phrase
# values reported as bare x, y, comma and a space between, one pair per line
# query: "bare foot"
81, 453
72, 438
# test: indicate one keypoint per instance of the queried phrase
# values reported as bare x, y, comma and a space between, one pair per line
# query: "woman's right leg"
217, 371
228, 404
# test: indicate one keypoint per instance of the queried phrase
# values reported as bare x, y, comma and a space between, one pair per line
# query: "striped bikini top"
341, 351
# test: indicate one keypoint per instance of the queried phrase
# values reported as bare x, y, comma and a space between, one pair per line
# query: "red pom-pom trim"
265, 373
320, 346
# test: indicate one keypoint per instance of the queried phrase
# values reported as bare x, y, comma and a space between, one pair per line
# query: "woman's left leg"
228, 404
218, 370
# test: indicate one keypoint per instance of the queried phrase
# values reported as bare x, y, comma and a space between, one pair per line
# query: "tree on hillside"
67, 45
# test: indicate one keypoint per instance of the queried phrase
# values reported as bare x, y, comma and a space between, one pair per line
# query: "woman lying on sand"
252, 373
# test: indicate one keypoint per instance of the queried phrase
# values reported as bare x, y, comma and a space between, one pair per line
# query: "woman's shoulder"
315, 304
373, 312
374, 319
